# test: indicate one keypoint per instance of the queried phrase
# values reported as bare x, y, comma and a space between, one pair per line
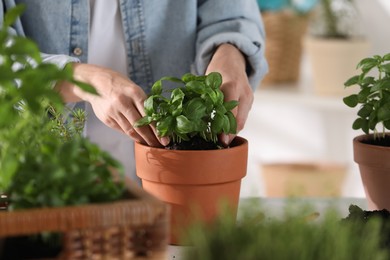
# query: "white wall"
375, 15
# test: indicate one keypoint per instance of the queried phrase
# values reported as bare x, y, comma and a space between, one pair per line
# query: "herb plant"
195, 109
335, 19
290, 235
44, 160
374, 95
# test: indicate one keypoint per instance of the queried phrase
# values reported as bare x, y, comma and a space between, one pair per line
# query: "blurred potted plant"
56, 187
285, 23
292, 235
194, 173
334, 45
371, 150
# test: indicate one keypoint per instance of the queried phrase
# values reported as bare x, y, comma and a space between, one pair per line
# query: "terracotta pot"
193, 183
374, 166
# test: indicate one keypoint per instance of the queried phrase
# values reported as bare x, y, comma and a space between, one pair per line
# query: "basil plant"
195, 108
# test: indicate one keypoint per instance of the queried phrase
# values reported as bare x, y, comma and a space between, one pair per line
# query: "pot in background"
374, 166
334, 60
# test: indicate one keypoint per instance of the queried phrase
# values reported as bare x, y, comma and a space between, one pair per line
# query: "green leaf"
367, 64
220, 109
196, 86
220, 96
378, 85
194, 109
214, 80
386, 57
383, 113
177, 95
157, 88
172, 79
363, 94
176, 110
386, 67
183, 125
368, 80
165, 126
12, 14
188, 77
182, 136
218, 123
372, 120
229, 105
386, 124
215, 96
24, 47
365, 111
86, 87
226, 124
146, 120
357, 124
352, 81
149, 105
351, 100
232, 122
6, 74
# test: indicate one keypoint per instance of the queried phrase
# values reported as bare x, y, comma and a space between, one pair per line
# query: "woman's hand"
119, 103
230, 62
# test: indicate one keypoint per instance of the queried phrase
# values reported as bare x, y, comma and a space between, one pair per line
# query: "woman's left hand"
230, 62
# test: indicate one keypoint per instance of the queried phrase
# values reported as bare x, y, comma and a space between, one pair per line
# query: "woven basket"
136, 228
283, 51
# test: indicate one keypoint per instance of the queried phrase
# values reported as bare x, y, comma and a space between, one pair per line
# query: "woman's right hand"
119, 103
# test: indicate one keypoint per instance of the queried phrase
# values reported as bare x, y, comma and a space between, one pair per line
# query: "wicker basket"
136, 228
284, 31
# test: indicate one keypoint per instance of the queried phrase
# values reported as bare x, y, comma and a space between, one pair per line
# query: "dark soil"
357, 215
379, 141
196, 143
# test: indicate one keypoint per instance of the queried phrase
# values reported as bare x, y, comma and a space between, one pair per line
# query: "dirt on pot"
362, 217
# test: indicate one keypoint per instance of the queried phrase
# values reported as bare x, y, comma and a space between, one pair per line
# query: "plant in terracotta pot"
194, 173
334, 44
57, 188
371, 150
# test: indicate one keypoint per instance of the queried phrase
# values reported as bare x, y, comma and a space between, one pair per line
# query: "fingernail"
225, 140
164, 141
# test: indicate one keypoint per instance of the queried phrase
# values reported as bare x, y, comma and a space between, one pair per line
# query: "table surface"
275, 206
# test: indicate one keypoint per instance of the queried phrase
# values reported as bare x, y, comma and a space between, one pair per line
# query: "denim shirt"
163, 37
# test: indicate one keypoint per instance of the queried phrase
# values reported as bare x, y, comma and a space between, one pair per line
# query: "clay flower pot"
193, 183
374, 165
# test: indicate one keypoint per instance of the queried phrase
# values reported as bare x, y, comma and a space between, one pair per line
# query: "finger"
130, 132
163, 140
130, 116
226, 139
145, 133
243, 109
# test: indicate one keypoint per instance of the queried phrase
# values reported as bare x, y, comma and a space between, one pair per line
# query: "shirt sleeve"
235, 22
59, 60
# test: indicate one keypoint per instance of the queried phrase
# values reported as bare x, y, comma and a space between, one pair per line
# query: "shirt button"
77, 51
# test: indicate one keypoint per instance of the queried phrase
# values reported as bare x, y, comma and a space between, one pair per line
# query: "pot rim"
370, 154
239, 140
